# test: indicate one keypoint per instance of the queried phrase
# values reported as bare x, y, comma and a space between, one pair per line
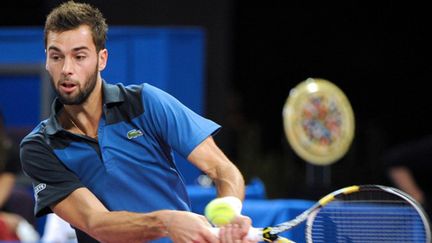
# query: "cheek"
53, 71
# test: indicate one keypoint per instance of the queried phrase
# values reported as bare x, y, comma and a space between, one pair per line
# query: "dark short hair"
70, 15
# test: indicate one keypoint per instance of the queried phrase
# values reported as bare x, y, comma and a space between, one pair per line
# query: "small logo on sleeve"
134, 133
38, 188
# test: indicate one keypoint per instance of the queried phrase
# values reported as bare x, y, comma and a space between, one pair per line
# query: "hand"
236, 231
188, 227
11, 220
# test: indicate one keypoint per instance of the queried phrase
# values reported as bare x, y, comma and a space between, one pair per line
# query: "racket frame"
271, 233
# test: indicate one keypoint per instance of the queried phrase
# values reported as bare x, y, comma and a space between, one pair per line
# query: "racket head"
369, 213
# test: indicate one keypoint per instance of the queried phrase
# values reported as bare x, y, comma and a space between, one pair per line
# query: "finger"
238, 234
200, 239
242, 220
209, 236
222, 234
228, 234
244, 223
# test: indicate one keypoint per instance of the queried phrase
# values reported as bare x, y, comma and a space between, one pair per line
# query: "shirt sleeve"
52, 181
182, 128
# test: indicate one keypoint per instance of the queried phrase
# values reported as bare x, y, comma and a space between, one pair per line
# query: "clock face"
318, 121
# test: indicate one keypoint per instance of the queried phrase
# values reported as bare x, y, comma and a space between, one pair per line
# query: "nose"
67, 67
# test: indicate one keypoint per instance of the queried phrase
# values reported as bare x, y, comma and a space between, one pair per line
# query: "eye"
55, 57
80, 57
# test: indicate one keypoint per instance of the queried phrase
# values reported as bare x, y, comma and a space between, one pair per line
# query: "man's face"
73, 64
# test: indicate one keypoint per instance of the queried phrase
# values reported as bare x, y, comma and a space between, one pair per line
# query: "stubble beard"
82, 95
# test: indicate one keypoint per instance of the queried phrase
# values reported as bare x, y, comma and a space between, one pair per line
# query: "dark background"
377, 53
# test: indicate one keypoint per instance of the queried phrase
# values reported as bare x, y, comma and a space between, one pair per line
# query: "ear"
103, 58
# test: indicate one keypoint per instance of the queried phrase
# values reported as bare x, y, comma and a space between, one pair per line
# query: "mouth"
67, 86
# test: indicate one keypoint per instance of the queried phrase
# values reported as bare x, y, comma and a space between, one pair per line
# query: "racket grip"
283, 240
254, 234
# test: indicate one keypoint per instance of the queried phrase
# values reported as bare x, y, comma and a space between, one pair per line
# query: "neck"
84, 119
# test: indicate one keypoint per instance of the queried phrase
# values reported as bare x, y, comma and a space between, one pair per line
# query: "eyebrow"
79, 48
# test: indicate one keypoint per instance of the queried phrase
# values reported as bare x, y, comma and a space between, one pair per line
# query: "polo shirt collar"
111, 95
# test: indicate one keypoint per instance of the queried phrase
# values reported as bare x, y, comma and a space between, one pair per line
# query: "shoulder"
37, 141
152, 91
134, 91
136, 99
37, 134
155, 96
118, 92
35, 147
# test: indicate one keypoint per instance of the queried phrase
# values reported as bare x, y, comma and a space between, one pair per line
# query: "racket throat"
268, 236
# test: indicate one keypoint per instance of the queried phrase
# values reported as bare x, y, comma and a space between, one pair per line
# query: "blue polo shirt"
130, 166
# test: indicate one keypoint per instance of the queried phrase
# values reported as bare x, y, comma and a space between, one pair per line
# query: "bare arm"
229, 182
83, 210
209, 158
7, 182
404, 180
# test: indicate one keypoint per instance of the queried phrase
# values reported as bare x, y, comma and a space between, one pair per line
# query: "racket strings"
367, 217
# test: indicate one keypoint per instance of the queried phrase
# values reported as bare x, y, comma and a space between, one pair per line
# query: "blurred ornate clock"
318, 121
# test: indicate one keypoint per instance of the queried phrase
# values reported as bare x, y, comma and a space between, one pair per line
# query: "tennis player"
103, 160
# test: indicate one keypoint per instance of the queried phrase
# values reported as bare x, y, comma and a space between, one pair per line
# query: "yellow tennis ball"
221, 211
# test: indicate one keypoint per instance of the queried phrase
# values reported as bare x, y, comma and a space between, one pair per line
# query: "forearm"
121, 226
403, 179
179, 226
211, 160
228, 181
85, 212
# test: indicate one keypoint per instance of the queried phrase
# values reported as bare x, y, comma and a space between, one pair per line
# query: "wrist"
163, 217
223, 210
234, 202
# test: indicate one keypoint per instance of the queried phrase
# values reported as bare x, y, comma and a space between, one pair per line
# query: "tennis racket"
357, 214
